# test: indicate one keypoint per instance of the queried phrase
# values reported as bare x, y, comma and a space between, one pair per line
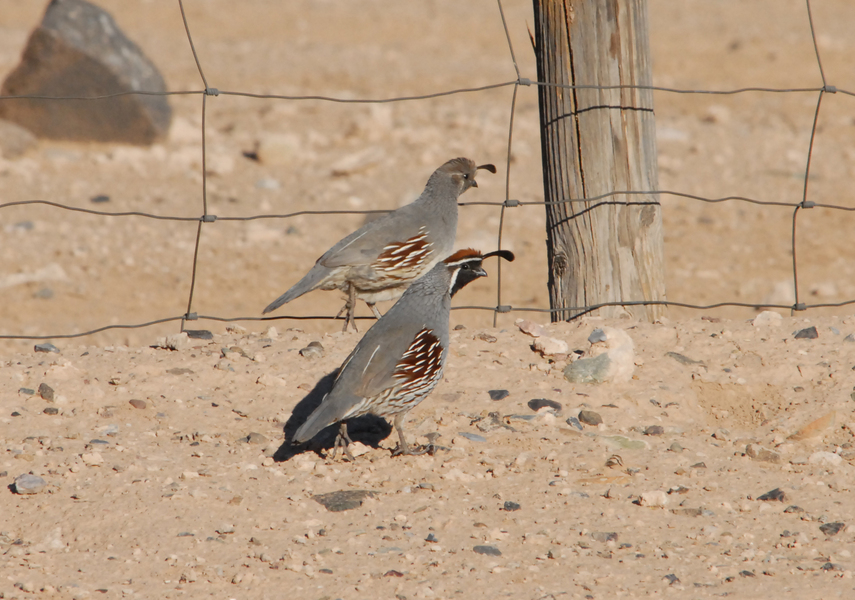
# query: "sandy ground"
171, 500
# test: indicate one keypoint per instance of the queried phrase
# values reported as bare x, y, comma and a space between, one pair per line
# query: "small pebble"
589, 417
51, 410
137, 403
431, 538
794, 509
537, 403
29, 484
26, 391
672, 579
808, 333
487, 550
99, 199
313, 350
498, 394
775, 495
654, 430
675, 447
473, 437
604, 536
511, 506
46, 348
486, 337
574, 422
256, 438
830, 529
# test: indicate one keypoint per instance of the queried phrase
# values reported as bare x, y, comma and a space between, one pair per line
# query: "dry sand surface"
192, 490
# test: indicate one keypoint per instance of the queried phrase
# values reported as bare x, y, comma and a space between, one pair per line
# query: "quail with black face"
401, 358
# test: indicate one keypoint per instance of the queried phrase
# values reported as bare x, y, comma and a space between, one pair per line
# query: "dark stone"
683, 360
775, 495
537, 403
830, 566
672, 579
654, 430
343, 500
808, 333
794, 509
589, 417
46, 392
99, 199
487, 550
830, 529
511, 506
26, 391
747, 574
51, 410
498, 394
199, 334
574, 422
78, 50
180, 371
44, 347
431, 538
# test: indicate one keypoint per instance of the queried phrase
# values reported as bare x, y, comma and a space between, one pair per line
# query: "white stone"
767, 318
825, 458
551, 346
654, 498
531, 328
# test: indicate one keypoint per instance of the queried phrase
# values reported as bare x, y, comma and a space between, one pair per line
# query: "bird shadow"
369, 429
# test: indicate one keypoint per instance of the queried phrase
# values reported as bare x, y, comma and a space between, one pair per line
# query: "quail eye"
466, 176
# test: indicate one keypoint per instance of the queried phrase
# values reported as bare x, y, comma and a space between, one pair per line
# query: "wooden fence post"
596, 142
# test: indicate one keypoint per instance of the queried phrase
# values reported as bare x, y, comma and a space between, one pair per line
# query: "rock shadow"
369, 430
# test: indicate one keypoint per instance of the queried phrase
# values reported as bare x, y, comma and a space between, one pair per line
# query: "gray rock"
808, 333
29, 484
537, 403
598, 335
78, 50
45, 347
46, 392
487, 550
498, 394
574, 422
774, 495
343, 500
675, 447
313, 350
588, 370
511, 506
589, 417
256, 438
473, 437
654, 430
830, 529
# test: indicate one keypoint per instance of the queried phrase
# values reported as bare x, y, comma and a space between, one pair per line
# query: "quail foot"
399, 361
381, 259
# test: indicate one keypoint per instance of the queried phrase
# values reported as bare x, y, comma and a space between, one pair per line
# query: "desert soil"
193, 491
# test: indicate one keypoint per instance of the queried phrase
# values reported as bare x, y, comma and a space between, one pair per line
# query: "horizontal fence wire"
592, 202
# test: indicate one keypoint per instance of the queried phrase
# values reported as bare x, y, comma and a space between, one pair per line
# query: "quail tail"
325, 415
310, 281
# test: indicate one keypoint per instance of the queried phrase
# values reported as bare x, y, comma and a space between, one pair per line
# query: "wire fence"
509, 203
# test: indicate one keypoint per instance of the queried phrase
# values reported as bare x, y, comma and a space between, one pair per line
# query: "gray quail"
382, 258
400, 359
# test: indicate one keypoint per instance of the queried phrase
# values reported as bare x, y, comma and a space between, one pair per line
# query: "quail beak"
479, 272
474, 183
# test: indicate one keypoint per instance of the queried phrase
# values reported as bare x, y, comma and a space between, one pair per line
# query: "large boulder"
78, 50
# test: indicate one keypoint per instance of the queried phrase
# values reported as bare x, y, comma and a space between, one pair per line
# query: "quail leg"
342, 440
349, 308
373, 308
404, 448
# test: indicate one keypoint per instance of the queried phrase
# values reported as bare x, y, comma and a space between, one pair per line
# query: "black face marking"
467, 272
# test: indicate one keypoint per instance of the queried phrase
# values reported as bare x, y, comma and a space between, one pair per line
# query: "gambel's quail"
400, 359
382, 258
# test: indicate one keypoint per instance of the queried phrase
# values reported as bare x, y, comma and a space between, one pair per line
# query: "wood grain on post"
595, 142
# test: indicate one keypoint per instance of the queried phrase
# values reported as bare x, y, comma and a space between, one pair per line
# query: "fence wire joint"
829, 89
504, 308
212, 91
511, 203
807, 204
191, 317
209, 218
524, 81
800, 306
